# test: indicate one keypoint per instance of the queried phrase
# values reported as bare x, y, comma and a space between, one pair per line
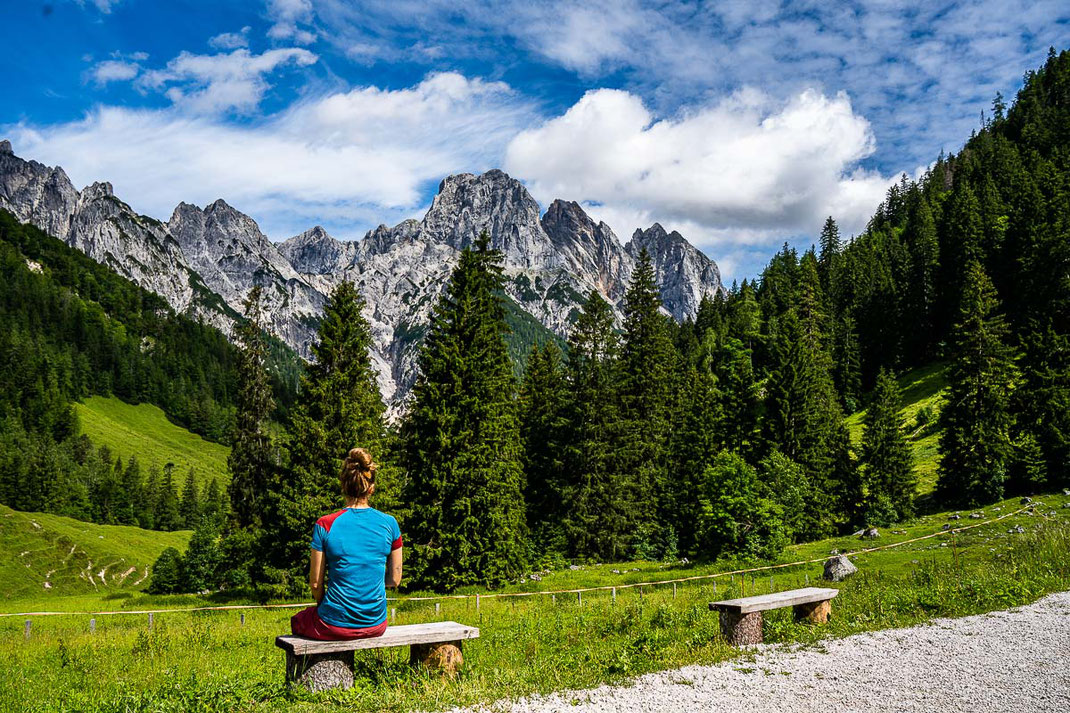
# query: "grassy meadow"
78, 561
209, 661
144, 431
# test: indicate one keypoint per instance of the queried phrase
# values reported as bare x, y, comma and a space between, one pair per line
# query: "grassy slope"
527, 645
920, 387
70, 555
144, 431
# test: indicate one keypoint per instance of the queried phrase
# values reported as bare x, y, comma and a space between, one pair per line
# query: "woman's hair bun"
358, 473
360, 458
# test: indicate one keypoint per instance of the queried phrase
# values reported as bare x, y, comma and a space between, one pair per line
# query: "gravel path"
1017, 660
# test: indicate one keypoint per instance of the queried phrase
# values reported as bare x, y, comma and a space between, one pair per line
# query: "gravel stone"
945, 665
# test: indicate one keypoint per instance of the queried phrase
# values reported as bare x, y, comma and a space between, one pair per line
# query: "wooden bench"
741, 619
320, 665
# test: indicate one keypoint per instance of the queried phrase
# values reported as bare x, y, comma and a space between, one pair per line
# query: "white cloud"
288, 16
743, 170
230, 40
347, 160
214, 83
114, 70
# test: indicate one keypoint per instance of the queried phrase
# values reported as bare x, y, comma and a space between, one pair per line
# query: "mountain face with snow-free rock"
205, 260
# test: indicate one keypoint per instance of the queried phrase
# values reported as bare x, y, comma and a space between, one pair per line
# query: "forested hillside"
71, 328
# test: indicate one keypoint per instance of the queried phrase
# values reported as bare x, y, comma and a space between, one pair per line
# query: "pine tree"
168, 515
596, 523
831, 251
190, 506
150, 500
887, 463
339, 408
924, 246
252, 461
647, 358
134, 490
200, 564
544, 398
976, 420
166, 573
847, 367
211, 507
462, 444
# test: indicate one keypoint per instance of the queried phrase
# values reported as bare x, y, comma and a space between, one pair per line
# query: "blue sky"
742, 124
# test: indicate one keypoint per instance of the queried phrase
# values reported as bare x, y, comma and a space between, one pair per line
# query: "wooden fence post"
579, 598
92, 626
27, 630
243, 618
614, 595
150, 621
674, 590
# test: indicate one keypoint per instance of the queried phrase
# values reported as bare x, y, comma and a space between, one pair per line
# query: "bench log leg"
741, 629
445, 657
320, 672
815, 613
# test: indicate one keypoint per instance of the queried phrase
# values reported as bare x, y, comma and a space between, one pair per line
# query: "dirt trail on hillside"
1013, 660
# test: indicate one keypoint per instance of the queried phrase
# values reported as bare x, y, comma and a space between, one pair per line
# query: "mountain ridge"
204, 260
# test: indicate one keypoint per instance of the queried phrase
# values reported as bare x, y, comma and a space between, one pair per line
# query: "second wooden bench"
741, 619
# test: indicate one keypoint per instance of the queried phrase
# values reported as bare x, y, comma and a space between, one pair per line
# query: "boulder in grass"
1026, 501
839, 568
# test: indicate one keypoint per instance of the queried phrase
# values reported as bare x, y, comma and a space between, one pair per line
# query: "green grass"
921, 388
208, 661
69, 555
143, 430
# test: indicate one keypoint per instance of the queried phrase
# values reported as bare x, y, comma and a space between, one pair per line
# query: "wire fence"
541, 593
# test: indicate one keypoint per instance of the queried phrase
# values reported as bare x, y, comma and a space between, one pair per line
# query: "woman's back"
355, 542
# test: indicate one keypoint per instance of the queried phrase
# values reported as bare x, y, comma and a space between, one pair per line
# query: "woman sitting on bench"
360, 548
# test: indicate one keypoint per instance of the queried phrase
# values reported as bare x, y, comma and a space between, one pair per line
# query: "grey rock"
976, 516
1025, 501
839, 568
947, 526
871, 534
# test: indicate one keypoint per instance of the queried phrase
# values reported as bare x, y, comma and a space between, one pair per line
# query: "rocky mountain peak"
5, 147
99, 189
315, 252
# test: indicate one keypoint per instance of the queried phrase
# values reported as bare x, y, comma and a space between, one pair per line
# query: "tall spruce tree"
924, 246
887, 463
168, 514
462, 443
544, 398
976, 420
252, 461
597, 522
339, 408
647, 358
831, 248
190, 505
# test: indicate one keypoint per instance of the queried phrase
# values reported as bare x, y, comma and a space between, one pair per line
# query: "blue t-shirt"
355, 542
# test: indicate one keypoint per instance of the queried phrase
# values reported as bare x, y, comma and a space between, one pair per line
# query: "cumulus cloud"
230, 40
215, 83
739, 170
345, 159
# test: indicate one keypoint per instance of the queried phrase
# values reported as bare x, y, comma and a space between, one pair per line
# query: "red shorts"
307, 623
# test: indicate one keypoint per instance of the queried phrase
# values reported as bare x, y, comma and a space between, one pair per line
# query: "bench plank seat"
765, 602
741, 619
406, 635
322, 665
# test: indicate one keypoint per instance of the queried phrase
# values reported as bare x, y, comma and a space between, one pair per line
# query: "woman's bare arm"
315, 575
393, 568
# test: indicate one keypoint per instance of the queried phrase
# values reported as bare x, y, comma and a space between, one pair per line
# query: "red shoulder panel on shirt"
396, 544
327, 520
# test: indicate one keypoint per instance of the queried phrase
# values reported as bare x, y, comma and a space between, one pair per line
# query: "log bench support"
323, 665
741, 619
